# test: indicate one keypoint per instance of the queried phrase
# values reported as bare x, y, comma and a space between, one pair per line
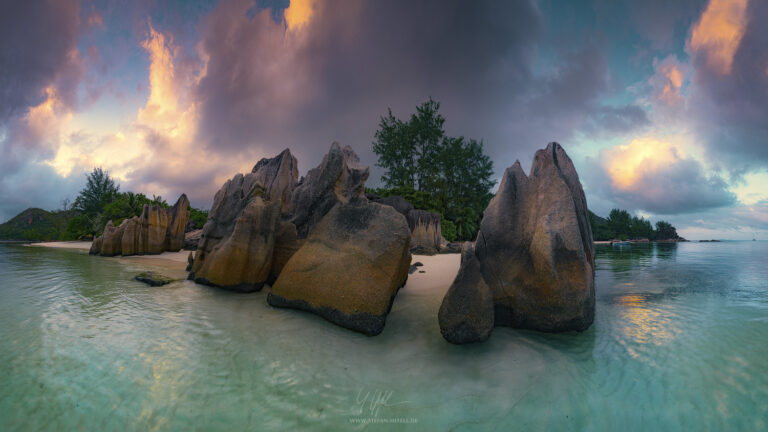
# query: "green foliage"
447, 175
34, 224
665, 230
420, 200
621, 225
448, 229
99, 191
198, 217
77, 227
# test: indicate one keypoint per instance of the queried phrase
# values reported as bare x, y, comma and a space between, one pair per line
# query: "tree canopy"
435, 172
621, 225
101, 201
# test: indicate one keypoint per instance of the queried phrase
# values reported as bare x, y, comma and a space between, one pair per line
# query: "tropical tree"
665, 231
100, 189
435, 172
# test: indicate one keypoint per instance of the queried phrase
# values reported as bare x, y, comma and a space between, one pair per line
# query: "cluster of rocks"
319, 242
157, 230
532, 263
426, 233
325, 247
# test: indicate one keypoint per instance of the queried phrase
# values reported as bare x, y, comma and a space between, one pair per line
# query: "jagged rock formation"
350, 268
174, 235
238, 240
319, 242
533, 252
157, 230
426, 234
338, 178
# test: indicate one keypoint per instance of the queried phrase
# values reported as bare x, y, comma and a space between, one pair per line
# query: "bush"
198, 217
449, 229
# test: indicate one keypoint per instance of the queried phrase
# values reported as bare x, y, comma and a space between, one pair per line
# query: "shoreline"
172, 261
439, 270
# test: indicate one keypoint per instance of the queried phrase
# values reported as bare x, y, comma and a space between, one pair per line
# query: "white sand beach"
438, 270
79, 245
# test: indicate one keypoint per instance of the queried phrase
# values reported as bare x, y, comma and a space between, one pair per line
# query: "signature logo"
370, 402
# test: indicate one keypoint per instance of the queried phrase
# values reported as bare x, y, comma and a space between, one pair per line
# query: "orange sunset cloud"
718, 33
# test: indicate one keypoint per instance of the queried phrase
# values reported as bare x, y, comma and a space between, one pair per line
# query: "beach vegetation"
447, 175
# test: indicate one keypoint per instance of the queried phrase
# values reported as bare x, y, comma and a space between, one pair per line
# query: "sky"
663, 106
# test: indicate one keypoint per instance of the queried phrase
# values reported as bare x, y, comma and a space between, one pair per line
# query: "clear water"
680, 342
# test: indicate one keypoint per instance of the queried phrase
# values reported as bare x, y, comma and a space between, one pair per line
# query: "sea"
679, 342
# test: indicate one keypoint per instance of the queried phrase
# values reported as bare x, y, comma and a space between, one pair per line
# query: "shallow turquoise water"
680, 342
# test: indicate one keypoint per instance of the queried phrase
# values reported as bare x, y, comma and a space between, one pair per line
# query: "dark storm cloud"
662, 21
731, 110
268, 88
38, 49
621, 119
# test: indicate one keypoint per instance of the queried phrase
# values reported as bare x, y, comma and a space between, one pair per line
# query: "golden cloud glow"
673, 81
627, 164
718, 33
42, 116
162, 101
298, 13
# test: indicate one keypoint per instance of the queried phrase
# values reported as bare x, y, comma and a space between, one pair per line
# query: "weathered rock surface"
153, 279
192, 239
399, 203
243, 261
236, 247
112, 239
426, 234
534, 252
466, 314
178, 216
350, 268
155, 231
96, 245
130, 240
450, 247
338, 178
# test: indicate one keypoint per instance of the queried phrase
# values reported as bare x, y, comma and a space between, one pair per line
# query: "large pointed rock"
338, 178
534, 249
228, 239
466, 314
350, 268
243, 261
112, 239
178, 216
130, 242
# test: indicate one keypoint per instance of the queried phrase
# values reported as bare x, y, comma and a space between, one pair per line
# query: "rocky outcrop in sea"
532, 264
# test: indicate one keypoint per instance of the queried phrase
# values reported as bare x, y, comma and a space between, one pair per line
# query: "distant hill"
35, 224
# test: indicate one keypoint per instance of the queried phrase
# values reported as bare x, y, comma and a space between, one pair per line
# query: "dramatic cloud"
38, 50
717, 35
729, 88
178, 97
657, 177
